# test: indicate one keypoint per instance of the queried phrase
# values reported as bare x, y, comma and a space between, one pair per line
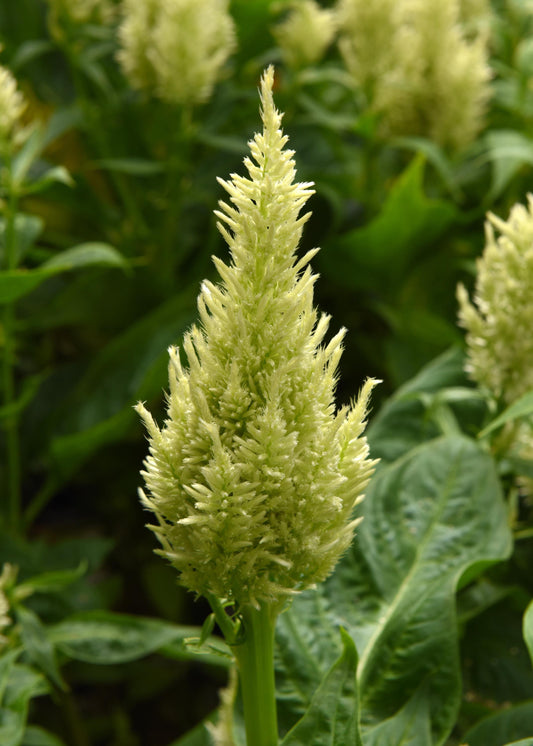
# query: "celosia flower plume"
254, 476
306, 32
12, 106
176, 48
499, 323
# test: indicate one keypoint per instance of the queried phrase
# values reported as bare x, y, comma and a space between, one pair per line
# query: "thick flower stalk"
499, 322
305, 34
176, 48
254, 477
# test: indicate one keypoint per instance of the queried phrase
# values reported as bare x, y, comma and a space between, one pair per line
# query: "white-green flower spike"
254, 476
499, 338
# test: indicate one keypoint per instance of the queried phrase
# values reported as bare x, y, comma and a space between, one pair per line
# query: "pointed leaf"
408, 221
104, 637
507, 725
332, 718
84, 255
522, 407
37, 645
35, 736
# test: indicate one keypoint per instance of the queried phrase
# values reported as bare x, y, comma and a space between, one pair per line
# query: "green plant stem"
8, 376
255, 661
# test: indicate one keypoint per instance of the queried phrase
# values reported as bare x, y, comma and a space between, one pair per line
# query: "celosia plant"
499, 323
306, 32
176, 48
254, 477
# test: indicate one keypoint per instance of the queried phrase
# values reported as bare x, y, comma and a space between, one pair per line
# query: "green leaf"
35, 736
104, 637
27, 155
37, 645
54, 580
436, 156
53, 175
132, 367
16, 283
24, 684
84, 255
528, 629
428, 517
410, 726
28, 228
332, 718
29, 51
408, 222
510, 724
522, 407
509, 151
131, 166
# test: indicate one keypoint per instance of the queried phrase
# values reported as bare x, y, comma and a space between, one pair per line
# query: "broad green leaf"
528, 629
37, 645
428, 517
523, 742
35, 736
84, 255
104, 637
410, 726
408, 221
332, 718
522, 407
510, 724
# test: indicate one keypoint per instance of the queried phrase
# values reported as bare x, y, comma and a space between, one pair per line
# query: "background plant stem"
8, 376
255, 660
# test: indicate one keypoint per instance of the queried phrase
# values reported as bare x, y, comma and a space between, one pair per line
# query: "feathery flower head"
176, 48
12, 106
254, 477
499, 322
306, 33
419, 69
